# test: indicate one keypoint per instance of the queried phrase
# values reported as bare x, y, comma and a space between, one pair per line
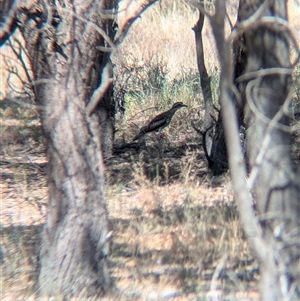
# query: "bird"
159, 122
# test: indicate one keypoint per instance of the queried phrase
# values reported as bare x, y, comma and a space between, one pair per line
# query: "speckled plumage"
160, 121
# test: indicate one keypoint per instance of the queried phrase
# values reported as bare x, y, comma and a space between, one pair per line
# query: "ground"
176, 233
175, 229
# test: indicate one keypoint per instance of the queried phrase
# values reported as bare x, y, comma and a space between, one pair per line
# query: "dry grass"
171, 223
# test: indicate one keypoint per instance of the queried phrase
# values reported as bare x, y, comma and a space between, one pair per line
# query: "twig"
92, 24
275, 23
229, 21
217, 273
133, 11
196, 129
201, 7
203, 134
36, 165
214, 119
20, 58
217, 109
282, 25
106, 81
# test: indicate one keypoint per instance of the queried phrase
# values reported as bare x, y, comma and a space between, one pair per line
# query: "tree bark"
269, 145
274, 233
61, 42
69, 46
107, 106
214, 145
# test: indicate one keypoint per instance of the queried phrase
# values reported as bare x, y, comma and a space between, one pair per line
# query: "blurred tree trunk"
214, 144
264, 86
277, 193
216, 152
219, 155
69, 45
62, 45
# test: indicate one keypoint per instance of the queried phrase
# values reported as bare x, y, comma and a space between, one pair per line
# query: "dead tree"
205, 83
212, 132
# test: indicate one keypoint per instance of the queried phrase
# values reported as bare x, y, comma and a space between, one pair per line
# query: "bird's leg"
161, 143
142, 143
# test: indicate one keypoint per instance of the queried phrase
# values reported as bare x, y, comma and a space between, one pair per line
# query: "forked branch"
131, 11
128, 13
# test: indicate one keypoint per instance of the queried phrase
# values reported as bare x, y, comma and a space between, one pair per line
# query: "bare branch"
266, 95
251, 87
202, 6
249, 23
264, 72
196, 129
205, 80
104, 49
133, 11
20, 58
203, 135
229, 21
295, 129
92, 24
282, 25
276, 23
106, 81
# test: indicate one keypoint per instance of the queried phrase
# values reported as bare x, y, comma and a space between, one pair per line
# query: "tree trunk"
62, 48
274, 235
269, 146
106, 109
204, 78
214, 145
219, 154
73, 255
